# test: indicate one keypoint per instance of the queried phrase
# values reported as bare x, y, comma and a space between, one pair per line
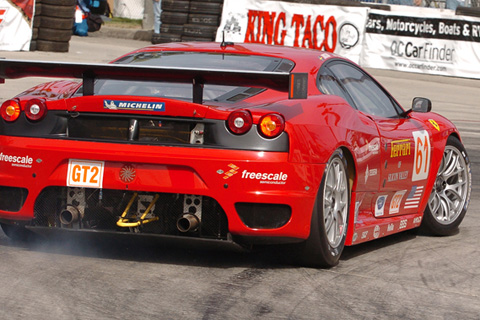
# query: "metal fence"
132, 9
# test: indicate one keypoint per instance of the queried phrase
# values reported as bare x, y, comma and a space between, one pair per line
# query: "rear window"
192, 60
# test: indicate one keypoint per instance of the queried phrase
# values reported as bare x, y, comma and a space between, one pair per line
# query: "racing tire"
33, 45
169, 37
56, 11
54, 46
34, 33
205, 7
450, 196
196, 39
204, 19
54, 34
36, 21
193, 30
17, 233
174, 17
57, 23
171, 28
61, 2
328, 228
176, 5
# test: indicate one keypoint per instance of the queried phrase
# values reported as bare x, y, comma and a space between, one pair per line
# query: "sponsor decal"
367, 150
85, 173
400, 148
321, 27
302, 26
396, 202
364, 235
397, 176
434, 124
421, 165
380, 206
413, 198
422, 27
417, 220
422, 51
134, 105
17, 161
230, 173
355, 236
348, 36
357, 208
374, 146
324, 56
370, 173
390, 227
376, 231
127, 174
403, 224
266, 178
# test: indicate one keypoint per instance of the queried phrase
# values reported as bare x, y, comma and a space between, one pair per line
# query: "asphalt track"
404, 276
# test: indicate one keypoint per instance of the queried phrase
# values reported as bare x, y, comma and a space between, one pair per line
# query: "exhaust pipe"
70, 215
188, 223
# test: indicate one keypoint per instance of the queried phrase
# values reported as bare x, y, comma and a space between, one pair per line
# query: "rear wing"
296, 84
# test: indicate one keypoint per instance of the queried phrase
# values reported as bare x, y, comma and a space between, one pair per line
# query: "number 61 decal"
421, 164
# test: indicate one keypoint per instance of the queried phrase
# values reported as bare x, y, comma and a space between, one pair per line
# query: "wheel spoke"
454, 194
449, 163
328, 220
436, 202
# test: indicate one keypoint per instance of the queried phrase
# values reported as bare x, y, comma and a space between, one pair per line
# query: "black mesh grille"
102, 208
130, 129
12, 199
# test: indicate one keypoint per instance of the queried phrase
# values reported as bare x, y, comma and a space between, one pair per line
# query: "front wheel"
329, 217
450, 196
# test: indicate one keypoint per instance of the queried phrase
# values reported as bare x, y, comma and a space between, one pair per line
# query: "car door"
404, 144
365, 137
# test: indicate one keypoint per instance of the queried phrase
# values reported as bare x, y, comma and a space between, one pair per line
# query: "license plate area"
85, 173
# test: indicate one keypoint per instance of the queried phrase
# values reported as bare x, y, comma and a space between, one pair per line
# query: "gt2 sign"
84, 173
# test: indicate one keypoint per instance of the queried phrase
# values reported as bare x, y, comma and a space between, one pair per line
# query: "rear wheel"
450, 196
17, 233
329, 217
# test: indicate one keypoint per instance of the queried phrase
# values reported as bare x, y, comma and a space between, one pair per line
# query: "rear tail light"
35, 109
240, 122
10, 110
271, 125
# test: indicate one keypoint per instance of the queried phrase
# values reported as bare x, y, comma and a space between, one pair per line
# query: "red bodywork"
382, 155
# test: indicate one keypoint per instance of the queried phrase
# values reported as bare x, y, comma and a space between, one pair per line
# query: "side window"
367, 95
328, 84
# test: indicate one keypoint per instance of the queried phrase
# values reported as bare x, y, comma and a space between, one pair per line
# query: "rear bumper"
229, 177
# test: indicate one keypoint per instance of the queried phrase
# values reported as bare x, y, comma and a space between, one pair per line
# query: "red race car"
236, 144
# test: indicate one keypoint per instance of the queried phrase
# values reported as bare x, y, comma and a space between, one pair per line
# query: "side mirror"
421, 105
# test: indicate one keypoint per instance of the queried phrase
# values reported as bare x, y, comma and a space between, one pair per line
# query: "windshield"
191, 60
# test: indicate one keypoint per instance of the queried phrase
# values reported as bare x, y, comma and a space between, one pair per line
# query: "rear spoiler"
295, 84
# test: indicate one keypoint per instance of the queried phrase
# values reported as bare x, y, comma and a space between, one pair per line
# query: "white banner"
329, 28
16, 24
425, 41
